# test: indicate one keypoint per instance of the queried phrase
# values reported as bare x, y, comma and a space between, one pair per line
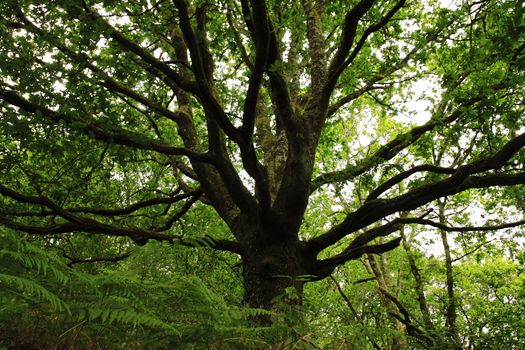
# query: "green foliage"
45, 303
108, 107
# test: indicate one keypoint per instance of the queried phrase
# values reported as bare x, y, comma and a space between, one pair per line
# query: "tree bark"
272, 261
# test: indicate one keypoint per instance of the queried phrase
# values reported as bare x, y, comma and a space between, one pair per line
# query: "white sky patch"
449, 4
286, 40
48, 57
58, 86
417, 108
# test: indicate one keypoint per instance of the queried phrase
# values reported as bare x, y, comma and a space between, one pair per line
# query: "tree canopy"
295, 136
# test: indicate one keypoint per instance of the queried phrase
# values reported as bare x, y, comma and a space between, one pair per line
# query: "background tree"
119, 117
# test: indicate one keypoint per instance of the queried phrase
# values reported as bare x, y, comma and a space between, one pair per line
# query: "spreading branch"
484, 228
130, 46
110, 83
404, 175
348, 34
107, 211
387, 71
326, 266
337, 71
388, 150
76, 223
205, 92
462, 179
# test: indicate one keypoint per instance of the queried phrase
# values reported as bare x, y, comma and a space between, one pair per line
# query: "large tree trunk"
267, 275
272, 262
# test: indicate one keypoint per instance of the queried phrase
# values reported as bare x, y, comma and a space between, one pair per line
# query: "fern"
19, 253
55, 304
26, 288
22, 263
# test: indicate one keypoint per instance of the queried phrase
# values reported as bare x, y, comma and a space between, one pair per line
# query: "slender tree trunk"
451, 313
423, 307
359, 318
383, 282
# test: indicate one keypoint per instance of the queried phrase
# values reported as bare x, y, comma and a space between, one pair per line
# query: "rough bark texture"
270, 270
272, 261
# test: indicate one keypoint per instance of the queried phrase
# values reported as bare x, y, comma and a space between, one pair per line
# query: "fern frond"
28, 289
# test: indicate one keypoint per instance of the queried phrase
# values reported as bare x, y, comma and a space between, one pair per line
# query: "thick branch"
328, 265
279, 92
372, 234
83, 224
209, 101
461, 180
316, 43
217, 118
89, 226
39, 200
138, 235
387, 151
405, 174
262, 47
343, 62
351, 21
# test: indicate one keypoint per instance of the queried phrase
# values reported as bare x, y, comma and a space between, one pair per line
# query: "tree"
120, 117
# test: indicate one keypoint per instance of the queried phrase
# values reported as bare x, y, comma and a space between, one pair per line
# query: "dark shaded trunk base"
273, 277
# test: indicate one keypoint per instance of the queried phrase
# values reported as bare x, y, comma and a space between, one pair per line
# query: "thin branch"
115, 258
148, 58
108, 82
386, 72
352, 309
464, 228
472, 251
364, 280
169, 224
107, 211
